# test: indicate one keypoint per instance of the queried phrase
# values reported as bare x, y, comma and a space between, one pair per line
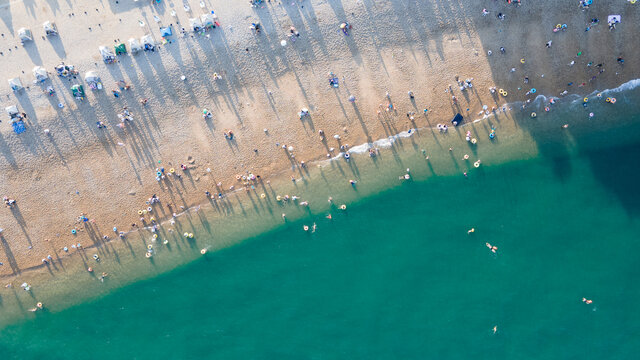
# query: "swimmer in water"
495, 329
471, 231
328, 216
587, 301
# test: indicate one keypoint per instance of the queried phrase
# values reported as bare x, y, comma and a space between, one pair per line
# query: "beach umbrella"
25, 34
283, 42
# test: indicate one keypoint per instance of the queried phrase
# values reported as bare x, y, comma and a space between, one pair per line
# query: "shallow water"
397, 275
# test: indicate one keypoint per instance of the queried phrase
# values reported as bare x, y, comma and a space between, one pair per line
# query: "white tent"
12, 110
614, 19
15, 84
40, 74
49, 28
147, 42
196, 24
25, 34
134, 45
107, 55
208, 20
93, 80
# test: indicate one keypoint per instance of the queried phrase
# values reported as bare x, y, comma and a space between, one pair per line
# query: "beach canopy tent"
40, 74
208, 20
457, 120
93, 80
107, 55
15, 84
148, 43
12, 111
78, 92
166, 31
25, 34
134, 45
120, 49
49, 28
196, 24
614, 19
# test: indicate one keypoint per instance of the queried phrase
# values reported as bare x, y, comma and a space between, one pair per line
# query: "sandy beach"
392, 47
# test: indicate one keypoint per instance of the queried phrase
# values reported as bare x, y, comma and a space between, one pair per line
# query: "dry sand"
394, 46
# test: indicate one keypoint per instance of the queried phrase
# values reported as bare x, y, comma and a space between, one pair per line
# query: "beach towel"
18, 127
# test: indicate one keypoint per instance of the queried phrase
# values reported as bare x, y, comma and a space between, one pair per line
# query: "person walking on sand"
548, 44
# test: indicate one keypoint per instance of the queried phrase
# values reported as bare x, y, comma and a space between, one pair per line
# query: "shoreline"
224, 229
360, 149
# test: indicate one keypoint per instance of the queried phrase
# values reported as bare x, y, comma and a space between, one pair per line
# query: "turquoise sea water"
397, 276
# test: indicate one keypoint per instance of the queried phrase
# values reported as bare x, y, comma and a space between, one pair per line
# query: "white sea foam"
380, 143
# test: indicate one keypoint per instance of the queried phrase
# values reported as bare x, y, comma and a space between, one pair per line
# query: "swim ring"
613, 100
533, 114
